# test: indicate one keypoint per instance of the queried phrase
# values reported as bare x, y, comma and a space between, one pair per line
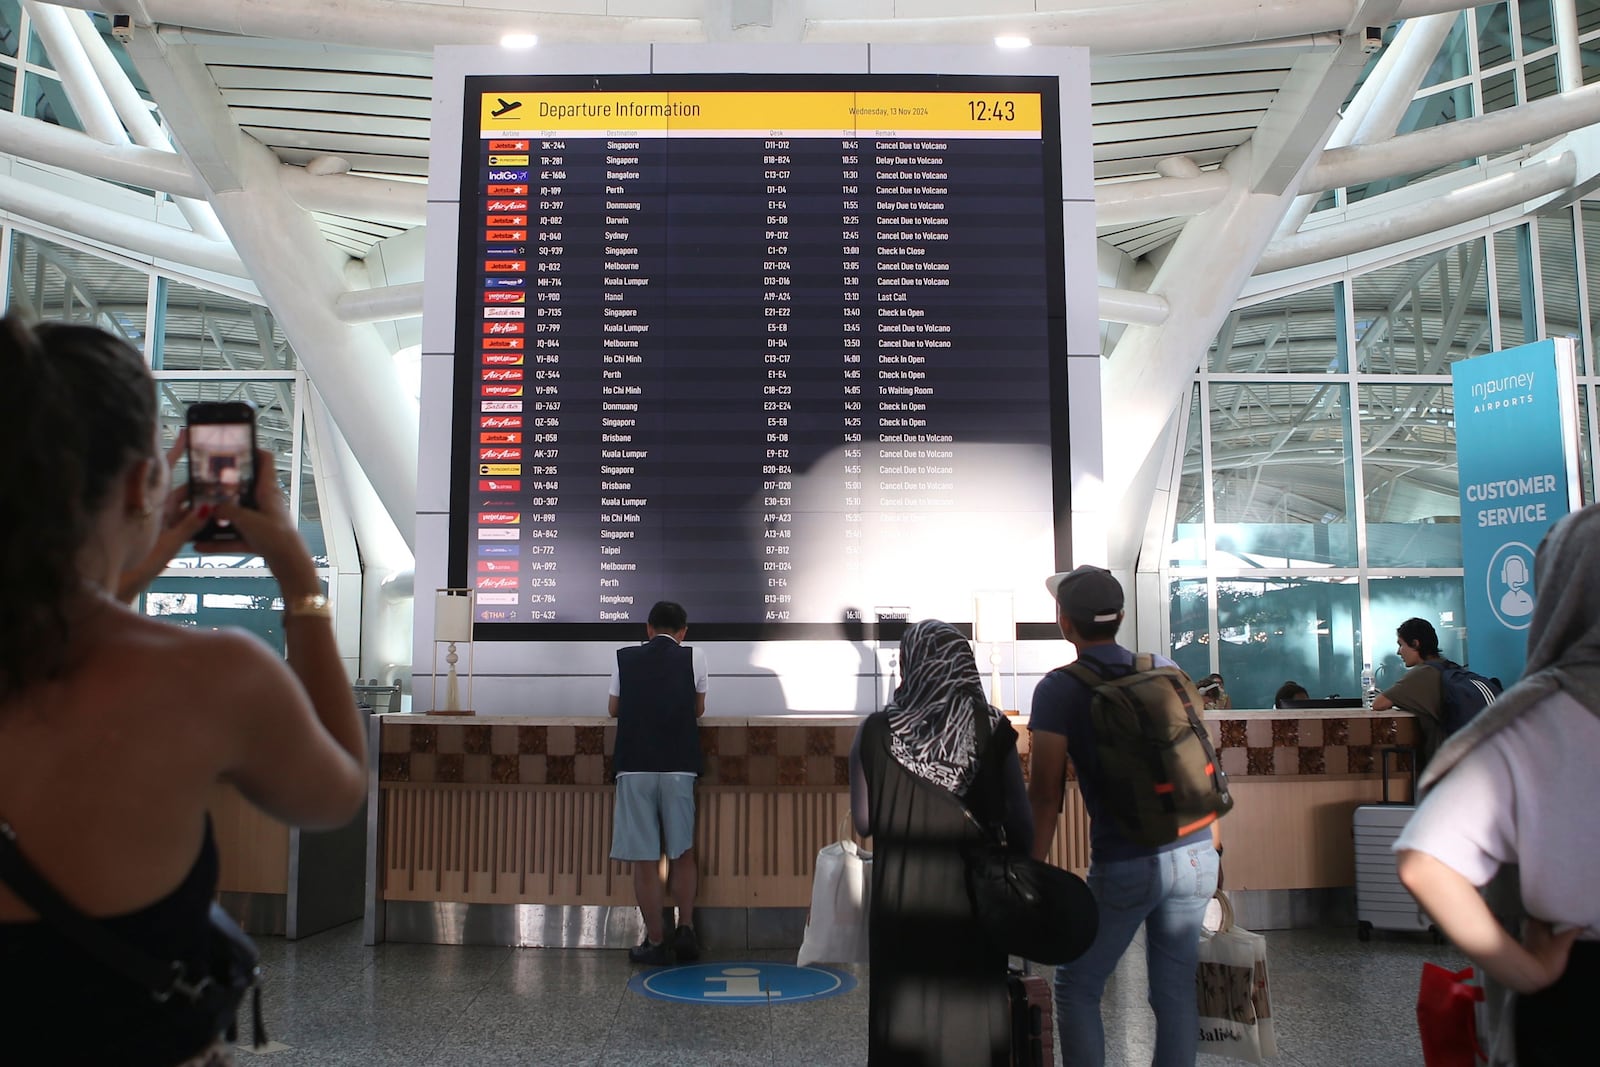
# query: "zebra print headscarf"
931, 731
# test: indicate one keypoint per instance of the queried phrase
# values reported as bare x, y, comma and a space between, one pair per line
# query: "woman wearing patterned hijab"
938, 992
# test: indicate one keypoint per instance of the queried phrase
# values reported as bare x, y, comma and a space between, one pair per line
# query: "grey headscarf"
1563, 637
932, 730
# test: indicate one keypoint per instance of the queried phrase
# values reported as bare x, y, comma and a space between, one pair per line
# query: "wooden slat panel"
253, 847
1296, 834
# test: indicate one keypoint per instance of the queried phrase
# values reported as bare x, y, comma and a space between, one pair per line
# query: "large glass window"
1408, 456
1514, 287
63, 284
1273, 630
1394, 600
1189, 530
1420, 316
202, 330
44, 98
1295, 334
1189, 609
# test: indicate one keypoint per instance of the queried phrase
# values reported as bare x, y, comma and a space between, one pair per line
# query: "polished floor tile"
1337, 1003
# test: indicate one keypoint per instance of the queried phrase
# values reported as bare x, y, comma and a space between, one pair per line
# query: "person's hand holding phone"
269, 531
179, 524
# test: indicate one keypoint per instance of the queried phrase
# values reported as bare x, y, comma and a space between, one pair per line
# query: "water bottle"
1366, 685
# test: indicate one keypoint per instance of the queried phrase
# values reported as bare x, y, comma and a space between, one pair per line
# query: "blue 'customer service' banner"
1516, 450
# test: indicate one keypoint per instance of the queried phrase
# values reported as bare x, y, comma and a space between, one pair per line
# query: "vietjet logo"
502, 359
507, 235
497, 206
502, 344
500, 405
505, 313
513, 374
506, 220
507, 190
498, 566
500, 422
506, 266
497, 583
500, 485
499, 453
508, 146
502, 390
520, 160
499, 437
489, 470
499, 533
498, 176
504, 296
499, 518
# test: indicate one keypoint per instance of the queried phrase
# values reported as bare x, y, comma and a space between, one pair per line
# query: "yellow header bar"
760, 112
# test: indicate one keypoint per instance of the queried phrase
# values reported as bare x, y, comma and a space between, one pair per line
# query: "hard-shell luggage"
1382, 903
1032, 1020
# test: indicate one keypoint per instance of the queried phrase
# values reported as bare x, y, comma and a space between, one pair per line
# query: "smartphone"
222, 460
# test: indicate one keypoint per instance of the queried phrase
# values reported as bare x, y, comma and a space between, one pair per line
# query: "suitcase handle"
1384, 752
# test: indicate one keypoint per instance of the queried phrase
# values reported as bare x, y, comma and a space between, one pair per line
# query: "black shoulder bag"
234, 965
1026, 907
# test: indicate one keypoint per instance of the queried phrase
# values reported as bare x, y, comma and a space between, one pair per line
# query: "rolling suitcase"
1381, 901
1032, 1020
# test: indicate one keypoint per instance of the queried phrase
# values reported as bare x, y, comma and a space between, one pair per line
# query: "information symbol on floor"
741, 983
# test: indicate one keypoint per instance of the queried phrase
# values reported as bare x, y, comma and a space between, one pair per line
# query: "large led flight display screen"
787, 350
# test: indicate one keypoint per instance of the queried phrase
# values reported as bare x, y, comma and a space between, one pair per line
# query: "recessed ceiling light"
1012, 40
519, 40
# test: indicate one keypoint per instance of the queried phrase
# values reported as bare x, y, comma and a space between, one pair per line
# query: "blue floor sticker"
734, 982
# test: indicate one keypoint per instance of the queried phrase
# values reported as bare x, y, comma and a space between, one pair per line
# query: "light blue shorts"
652, 810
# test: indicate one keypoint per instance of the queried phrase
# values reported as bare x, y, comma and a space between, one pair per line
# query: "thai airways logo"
491, 470
497, 583
499, 518
503, 359
505, 313
498, 566
506, 266
497, 614
504, 296
508, 146
500, 422
499, 329
496, 207
499, 485
499, 176
498, 453
507, 235
499, 533
507, 190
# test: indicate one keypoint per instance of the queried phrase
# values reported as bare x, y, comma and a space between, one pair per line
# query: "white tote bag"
1232, 991
836, 929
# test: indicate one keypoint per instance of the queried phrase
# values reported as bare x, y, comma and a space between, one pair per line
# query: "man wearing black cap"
1163, 889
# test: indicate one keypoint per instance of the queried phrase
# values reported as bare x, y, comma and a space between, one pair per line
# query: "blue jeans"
1166, 894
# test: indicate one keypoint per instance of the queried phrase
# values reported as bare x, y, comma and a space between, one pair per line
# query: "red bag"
1447, 1018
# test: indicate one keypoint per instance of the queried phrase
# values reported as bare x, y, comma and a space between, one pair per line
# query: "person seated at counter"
658, 694
1287, 692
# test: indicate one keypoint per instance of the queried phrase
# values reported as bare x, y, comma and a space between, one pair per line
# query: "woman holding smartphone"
114, 727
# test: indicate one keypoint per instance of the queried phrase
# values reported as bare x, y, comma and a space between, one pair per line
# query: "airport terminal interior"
1304, 214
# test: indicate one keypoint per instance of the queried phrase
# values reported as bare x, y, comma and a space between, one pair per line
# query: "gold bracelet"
310, 606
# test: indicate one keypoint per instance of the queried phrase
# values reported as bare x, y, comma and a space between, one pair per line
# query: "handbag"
1447, 1017
1027, 907
841, 890
233, 968
1232, 992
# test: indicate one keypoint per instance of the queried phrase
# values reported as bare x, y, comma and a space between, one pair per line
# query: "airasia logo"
497, 206
498, 566
499, 453
502, 359
501, 344
499, 518
500, 485
500, 422
497, 583
512, 375
491, 329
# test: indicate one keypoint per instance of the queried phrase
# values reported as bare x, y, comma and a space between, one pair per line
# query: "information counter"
498, 829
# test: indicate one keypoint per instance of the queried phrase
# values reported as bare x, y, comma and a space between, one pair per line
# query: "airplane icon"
505, 107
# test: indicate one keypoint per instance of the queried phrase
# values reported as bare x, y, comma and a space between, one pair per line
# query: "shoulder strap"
160, 979
1142, 662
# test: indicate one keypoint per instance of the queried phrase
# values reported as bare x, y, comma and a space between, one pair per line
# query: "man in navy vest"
658, 693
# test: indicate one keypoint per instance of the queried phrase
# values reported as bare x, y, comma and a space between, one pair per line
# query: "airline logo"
498, 329
498, 566
505, 250
488, 551
499, 485
501, 422
503, 582
508, 160
494, 470
503, 359
506, 235
500, 437
507, 190
502, 390
497, 598
508, 146
513, 374
501, 344
498, 176
499, 533
506, 283
499, 518
496, 206
505, 313
506, 220
506, 266
499, 453
500, 405
504, 296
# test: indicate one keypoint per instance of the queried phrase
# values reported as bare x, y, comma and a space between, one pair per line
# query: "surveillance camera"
1371, 39
122, 28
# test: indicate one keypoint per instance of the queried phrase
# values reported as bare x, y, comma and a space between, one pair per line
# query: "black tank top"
57, 1005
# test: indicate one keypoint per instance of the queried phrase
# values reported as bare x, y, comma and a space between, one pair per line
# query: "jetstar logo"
508, 160
502, 344
498, 566
504, 296
498, 176
490, 470
513, 374
502, 359
506, 235
508, 146
499, 518
505, 313
499, 453
497, 206
497, 583
502, 390
500, 422
506, 283
499, 533
506, 266
507, 190
506, 220
499, 485
500, 405
497, 329
499, 437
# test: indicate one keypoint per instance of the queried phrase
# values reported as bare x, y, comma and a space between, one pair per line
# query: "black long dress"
938, 990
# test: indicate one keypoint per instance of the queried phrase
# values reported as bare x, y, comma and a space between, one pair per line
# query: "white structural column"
84, 91
59, 146
1569, 58
297, 272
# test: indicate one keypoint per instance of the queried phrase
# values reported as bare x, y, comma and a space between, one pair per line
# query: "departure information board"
784, 350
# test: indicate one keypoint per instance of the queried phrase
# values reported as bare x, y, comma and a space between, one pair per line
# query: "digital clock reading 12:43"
992, 111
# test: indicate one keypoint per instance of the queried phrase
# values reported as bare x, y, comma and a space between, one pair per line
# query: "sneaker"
652, 955
685, 944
